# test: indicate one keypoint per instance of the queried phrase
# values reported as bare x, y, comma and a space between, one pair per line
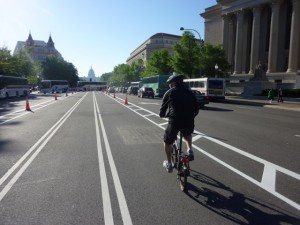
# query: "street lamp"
216, 68
182, 28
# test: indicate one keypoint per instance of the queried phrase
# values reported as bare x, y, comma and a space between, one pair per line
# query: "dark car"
132, 90
146, 92
201, 98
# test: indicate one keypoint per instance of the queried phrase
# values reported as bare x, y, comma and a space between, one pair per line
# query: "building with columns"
258, 32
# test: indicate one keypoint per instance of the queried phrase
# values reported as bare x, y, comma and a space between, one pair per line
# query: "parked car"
111, 90
132, 90
201, 98
146, 92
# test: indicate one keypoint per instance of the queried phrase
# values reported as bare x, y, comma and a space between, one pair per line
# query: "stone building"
155, 42
258, 32
39, 50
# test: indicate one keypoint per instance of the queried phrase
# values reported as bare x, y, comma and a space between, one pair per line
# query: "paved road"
88, 158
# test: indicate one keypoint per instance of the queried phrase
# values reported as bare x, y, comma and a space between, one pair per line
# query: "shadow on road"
235, 206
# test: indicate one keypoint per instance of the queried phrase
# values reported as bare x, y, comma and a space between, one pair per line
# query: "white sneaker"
168, 166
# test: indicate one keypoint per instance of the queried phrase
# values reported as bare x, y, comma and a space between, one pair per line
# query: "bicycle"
180, 162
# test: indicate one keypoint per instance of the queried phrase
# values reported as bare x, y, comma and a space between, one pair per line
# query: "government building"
155, 42
39, 50
258, 33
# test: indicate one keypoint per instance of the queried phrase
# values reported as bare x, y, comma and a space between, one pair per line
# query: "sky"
97, 33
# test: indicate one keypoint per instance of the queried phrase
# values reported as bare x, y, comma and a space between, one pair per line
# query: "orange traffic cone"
126, 100
27, 105
55, 97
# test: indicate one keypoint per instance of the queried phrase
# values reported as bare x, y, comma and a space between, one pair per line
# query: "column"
225, 33
294, 53
239, 43
231, 40
274, 36
255, 41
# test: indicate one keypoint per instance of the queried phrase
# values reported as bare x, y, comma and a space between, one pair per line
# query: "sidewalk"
292, 104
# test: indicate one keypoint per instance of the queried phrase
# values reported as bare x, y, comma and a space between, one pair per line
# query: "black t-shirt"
180, 104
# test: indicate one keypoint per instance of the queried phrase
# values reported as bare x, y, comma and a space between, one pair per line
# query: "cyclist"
180, 105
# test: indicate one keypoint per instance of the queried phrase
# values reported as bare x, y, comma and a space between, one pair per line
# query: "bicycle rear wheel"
174, 156
182, 175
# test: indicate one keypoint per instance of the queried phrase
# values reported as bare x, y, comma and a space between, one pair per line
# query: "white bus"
91, 86
54, 86
136, 84
11, 86
213, 88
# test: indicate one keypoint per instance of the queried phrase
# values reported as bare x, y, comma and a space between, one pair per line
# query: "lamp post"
182, 28
216, 68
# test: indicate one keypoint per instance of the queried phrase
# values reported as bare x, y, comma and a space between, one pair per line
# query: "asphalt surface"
92, 154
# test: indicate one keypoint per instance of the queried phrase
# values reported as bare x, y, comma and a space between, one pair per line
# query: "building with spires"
39, 50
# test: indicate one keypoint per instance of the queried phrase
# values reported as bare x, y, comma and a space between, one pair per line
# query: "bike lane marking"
268, 181
119, 191
41, 143
107, 210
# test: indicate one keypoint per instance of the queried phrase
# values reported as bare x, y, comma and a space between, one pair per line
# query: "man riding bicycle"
180, 105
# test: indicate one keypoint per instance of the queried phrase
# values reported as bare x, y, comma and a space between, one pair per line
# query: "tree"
19, 65
105, 76
160, 62
186, 59
136, 70
210, 56
57, 69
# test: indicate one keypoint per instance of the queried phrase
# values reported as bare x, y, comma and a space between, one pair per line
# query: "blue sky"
97, 33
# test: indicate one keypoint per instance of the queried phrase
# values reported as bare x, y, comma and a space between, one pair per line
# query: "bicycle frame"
181, 163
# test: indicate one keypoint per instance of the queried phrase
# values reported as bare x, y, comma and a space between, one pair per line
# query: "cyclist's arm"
164, 106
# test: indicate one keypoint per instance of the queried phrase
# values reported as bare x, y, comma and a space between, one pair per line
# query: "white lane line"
269, 177
107, 210
120, 194
161, 124
151, 114
195, 138
248, 108
49, 134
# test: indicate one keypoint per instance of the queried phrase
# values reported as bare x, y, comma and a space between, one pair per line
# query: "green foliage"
210, 56
105, 76
159, 63
19, 65
186, 59
56, 69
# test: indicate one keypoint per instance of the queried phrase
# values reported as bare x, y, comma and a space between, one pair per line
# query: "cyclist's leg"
187, 136
168, 151
169, 138
188, 141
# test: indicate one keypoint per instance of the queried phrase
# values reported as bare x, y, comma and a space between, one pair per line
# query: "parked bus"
214, 88
11, 86
136, 84
158, 83
54, 86
91, 85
